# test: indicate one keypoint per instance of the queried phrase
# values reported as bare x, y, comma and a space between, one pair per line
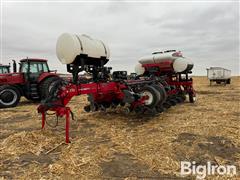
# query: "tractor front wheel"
9, 96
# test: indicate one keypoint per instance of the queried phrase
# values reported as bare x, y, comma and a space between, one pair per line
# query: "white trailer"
219, 75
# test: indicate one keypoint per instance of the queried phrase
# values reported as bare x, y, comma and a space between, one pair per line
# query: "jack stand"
67, 110
60, 111
43, 119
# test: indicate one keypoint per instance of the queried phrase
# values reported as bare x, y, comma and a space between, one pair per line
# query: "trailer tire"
229, 81
9, 96
153, 95
46, 84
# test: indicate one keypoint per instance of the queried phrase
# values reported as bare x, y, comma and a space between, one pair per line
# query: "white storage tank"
139, 69
70, 46
158, 57
182, 65
178, 63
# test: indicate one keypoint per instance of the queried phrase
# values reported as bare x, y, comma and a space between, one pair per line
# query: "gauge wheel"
153, 96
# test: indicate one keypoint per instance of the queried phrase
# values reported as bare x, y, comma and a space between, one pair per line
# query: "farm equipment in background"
148, 93
219, 75
32, 81
173, 69
4, 69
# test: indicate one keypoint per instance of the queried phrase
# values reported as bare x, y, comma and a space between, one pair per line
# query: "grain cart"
219, 75
4, 69
32, 81
104, 89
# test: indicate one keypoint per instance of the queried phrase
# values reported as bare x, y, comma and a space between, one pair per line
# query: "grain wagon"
219, 75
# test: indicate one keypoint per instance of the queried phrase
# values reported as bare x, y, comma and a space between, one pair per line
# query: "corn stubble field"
114, 145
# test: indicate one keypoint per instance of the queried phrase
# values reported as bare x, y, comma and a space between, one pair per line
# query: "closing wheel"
9, 96
138, 110
173, 102
179, 99
153, 96
166, 105
182, 96
192, 98
159, 108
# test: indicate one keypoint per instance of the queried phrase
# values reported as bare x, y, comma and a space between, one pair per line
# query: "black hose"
53, 126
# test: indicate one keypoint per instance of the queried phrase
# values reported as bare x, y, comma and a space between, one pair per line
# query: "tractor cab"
33, 68
4, 69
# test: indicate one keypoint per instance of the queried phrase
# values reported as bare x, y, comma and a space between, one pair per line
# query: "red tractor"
4, 69
33, 81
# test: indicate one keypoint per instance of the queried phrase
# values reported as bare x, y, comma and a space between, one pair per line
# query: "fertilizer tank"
168, 60
72, 49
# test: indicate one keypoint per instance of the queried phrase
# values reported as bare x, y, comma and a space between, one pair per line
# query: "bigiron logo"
202, 171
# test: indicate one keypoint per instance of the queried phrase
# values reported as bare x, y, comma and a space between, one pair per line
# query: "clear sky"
206, 32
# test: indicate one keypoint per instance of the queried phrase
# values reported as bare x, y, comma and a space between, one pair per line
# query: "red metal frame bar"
60, 111
100, 91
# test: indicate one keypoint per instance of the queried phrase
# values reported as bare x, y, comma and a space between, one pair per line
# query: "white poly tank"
182, 64
160, 57
178, 63
139, 69
69, 46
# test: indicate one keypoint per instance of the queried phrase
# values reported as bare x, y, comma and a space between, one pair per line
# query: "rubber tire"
167, 105
33, 100
4, 87
159, 108
183, 97
156, 95
229, 81
53, 93
173, 102
45, 84
163, 94
179, 99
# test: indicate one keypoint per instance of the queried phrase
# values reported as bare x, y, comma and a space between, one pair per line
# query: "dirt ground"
112, 145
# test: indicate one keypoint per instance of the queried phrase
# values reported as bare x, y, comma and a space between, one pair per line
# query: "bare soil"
112, 145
